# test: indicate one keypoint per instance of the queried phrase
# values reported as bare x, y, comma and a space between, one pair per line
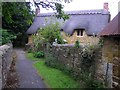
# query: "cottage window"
79, 32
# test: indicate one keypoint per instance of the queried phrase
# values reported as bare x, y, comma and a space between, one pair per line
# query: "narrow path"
28, 77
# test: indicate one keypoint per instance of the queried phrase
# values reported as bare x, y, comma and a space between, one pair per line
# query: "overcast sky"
89, 4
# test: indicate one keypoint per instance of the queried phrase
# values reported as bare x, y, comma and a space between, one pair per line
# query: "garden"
64, 66
58, 64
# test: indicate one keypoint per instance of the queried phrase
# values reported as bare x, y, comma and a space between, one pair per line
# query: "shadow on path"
28, 77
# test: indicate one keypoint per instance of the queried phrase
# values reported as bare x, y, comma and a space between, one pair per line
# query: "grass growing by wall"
54, 78
31, 56
86, 73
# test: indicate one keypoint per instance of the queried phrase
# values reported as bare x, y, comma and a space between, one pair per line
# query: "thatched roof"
112, 28
93, 21
42, 20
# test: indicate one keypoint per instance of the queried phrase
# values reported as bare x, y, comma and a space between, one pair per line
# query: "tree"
17, 17
6, 36
55, 5
47, 35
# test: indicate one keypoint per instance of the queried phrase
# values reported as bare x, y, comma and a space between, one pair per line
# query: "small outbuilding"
111, 48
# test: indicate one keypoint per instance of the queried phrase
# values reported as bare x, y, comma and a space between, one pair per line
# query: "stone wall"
30, 41
5, 62
111, 55
85, 39
70, 57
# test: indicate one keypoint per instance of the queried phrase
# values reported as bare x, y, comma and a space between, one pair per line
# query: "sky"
88, 5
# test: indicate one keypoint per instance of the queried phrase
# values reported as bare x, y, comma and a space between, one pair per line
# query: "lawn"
54, 78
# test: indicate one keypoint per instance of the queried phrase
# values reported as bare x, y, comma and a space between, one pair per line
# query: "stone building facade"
111, 48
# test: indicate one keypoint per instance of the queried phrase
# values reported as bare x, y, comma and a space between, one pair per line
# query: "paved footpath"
28, 77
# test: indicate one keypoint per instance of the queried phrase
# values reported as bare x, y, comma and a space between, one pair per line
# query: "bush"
51, 32
77, 44
88, 82
39, 54
29, 50
46, 35
6, 36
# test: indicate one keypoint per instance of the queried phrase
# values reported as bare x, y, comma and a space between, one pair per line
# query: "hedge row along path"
27, 75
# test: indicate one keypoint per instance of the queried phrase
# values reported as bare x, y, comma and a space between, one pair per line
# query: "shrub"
6, 36
101, 42
77, 44
48, 34
89, 82
51, 32
39, 54
87, 58
29, 50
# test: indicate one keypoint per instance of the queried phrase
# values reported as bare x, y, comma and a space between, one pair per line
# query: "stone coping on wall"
4, 48
69, 56
69, 45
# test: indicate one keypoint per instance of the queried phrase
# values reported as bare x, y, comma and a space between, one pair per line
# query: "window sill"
80, 36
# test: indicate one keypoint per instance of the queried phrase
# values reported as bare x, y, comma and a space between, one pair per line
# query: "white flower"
56, 40
64, 40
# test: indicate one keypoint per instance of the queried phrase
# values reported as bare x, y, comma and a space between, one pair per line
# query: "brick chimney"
37, 11
105, 6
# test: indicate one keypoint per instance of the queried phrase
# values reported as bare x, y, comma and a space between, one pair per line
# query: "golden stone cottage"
82, 25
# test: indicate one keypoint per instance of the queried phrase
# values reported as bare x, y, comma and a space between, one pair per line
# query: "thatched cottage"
111, 47
82, 25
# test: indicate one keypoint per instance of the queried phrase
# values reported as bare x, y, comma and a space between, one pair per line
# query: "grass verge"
31, 57
53, 77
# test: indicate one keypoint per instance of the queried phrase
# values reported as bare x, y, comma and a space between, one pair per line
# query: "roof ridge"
78, 12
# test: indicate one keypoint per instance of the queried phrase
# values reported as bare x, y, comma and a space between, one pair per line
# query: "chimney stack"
37, 11
105, 6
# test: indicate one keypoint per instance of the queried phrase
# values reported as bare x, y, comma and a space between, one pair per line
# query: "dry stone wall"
70, 57
5, 62
111, 55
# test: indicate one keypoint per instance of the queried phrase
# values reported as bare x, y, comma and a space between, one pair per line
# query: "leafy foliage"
55, 5
60, 13
52, 32
39, 54
17, 17
87, 58
101, 42
88, 82
6, 36
77, 44
46, 35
